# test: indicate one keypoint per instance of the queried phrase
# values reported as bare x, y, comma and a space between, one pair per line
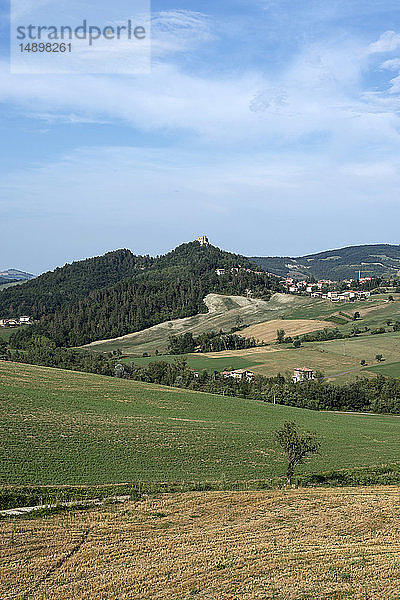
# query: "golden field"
266, 332
316, 544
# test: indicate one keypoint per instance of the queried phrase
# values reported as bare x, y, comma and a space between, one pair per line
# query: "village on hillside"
24, 320
324, 288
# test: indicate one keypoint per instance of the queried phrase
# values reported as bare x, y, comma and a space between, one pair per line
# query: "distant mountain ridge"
14, 275
375, 260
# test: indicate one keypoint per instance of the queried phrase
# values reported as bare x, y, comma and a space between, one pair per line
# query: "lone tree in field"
280, 336
296, 446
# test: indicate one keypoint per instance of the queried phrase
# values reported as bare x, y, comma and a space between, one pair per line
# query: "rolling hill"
63, 427
375, 260
13, 277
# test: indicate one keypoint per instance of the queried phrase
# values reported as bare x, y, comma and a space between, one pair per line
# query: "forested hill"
50, 291
121, 293
372, 260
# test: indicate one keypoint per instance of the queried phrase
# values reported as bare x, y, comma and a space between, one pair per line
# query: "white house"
303, 374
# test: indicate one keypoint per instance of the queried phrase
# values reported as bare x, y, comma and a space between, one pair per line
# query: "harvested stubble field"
63, 427
266, 331
315, 544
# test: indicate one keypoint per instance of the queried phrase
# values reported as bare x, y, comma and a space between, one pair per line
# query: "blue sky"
270, 125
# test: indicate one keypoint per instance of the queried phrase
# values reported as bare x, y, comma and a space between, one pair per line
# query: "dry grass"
223, 313
289, 545
267, 331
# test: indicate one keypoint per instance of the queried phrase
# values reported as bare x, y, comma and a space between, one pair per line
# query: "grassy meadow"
63, 427
6, 333
305, 544
202, 362
388, 370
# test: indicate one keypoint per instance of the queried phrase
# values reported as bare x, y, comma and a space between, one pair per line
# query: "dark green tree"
280, 336
296, 446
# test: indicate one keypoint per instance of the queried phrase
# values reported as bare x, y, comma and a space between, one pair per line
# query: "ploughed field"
325, 544
63, 427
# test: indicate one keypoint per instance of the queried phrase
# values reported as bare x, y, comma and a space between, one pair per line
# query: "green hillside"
376, 260
62, 427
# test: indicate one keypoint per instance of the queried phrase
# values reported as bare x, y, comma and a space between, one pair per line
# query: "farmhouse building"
303, 374
15, 322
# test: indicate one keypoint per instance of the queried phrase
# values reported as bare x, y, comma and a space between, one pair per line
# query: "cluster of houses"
319, 289
300, 374
238, 269
242, 374
348, 296
15, 322
294, 286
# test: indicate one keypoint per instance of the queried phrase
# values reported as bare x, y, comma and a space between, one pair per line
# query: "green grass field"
339, 360
62, 427
200, 362
6, 332
389, 370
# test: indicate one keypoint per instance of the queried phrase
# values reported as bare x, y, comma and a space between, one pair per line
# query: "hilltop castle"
203, 240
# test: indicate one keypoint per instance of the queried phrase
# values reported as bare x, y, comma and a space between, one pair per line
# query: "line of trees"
208, 342
380, 394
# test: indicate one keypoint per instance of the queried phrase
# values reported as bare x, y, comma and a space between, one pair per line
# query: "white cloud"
392, 64
319, 92
388, 42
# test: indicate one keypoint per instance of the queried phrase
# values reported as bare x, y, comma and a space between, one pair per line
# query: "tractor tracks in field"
60, 562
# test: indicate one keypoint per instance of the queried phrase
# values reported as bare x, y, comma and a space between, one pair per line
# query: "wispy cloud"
388, 42
295, 114
321, 90
149, 199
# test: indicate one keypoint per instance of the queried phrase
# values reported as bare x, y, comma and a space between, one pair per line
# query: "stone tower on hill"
203, 240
